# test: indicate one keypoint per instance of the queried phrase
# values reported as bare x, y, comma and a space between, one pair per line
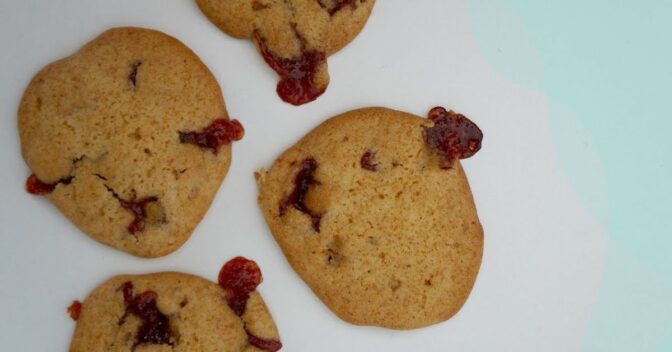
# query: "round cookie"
295, 37
170, 312
373, 210
129, 137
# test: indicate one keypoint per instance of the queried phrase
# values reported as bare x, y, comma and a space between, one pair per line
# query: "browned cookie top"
129, 137
373, 210
295, 37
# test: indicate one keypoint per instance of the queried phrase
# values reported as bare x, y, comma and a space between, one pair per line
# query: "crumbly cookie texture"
373, 210
129, 137
170, 312
295, 37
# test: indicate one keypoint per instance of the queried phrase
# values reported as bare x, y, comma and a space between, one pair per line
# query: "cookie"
177, 312
373, 210
129, 137
294, 37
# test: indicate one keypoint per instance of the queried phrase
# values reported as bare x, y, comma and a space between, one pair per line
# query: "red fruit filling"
453, 136
302, 183
220, 132
155, 327
337, 5
297, 74
367, 161
239, 277
75, 309
139, 210
37, 187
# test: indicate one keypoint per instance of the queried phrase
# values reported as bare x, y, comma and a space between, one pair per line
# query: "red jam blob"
134, 72
139, 210
220, 132
338, 5
263, 344
302, 183
37, 187
239, 277
155, 327
453, 136
297, 75
367, 161
75, 309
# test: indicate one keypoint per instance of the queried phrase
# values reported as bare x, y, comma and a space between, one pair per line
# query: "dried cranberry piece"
297, 74
338, 5
453, 136
37, 187
239, 277
367, 161
302, 183
155, 327
263, 344
134, 72
75, 309
220, 132
139, 210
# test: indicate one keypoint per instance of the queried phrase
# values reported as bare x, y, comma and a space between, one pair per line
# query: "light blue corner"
606, 68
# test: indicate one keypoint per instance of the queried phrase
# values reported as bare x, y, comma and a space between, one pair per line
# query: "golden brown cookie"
176, 312
295, 37
373, 210
129, 137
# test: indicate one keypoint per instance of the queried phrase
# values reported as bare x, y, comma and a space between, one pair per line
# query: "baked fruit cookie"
294, 37
177, 312
129, 138
373, 210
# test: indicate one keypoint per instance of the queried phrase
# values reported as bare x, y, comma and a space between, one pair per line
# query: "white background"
543, 252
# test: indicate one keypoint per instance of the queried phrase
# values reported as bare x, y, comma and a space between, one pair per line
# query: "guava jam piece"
219, 133
39, 188
297, 74
75, 309
453, 136
139, 210
155, 327
302, 182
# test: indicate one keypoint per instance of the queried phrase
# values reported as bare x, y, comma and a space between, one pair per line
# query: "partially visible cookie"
176, 312
129, 138
373, 210
295, 37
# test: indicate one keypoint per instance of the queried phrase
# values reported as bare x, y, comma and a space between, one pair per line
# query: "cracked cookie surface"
294, 37
399, 242
170, 312
103, 132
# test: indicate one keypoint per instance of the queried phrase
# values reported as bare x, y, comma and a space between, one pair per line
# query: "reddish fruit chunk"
239, 277
453, 136
367, 161
155, 327
337, 5
297, 74
37, 187
302, 183
134, 72
75, 309
263, 344
139, 210
220, 132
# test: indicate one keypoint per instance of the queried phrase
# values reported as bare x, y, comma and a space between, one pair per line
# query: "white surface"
543, 252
